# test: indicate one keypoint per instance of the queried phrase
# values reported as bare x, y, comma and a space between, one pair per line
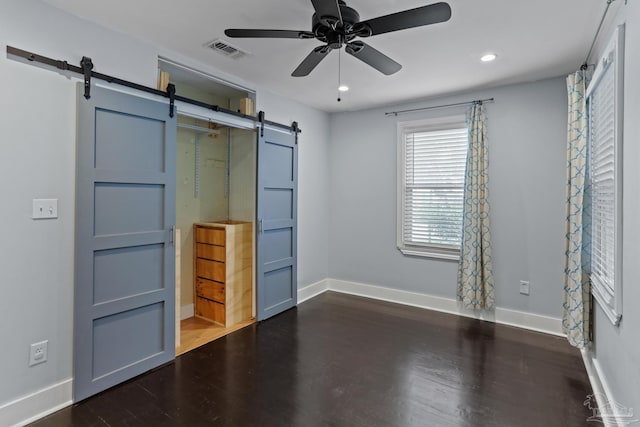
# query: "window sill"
430, 253
605, 300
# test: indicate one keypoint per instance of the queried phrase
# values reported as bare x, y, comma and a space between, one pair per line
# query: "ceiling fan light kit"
337, 25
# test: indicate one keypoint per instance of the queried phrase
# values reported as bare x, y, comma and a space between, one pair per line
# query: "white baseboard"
187, 311
602, 391
520, 319
312, 290
596, 381
43, 402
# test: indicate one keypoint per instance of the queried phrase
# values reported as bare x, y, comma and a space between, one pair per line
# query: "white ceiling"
534, 39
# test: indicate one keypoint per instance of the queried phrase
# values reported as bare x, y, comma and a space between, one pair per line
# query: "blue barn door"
277, 198
125, 256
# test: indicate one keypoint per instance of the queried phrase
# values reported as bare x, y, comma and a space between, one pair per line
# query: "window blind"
433, 200
602, 123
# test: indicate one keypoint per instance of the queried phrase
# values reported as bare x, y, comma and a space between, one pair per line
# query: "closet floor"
195, 332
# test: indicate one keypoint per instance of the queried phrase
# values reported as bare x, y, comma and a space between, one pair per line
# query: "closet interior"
215, 212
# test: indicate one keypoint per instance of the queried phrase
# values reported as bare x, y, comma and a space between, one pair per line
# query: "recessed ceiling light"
488, 57
343, 88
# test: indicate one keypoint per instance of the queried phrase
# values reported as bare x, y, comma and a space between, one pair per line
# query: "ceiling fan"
336, 24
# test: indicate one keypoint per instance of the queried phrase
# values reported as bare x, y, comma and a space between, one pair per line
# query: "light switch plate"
45, 208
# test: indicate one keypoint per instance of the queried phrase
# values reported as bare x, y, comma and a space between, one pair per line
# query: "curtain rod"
477, 101
585, 65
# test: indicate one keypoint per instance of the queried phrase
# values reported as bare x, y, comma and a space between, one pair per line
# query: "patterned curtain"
577, 301
475, 271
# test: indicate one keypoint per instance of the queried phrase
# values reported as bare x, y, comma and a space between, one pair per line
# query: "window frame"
443, 252
610, 299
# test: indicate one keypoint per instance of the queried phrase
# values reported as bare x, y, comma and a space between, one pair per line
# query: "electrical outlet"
524, 287
38, 352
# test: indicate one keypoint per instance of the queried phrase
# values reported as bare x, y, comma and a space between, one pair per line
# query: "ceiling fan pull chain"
339, 77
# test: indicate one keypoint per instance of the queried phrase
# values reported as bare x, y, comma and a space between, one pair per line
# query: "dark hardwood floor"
340, 360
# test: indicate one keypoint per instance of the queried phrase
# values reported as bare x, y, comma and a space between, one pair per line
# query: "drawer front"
212, 270
210, 290
216, 253
213, 236
210, 310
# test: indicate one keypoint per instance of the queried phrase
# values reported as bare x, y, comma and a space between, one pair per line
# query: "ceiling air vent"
226, 49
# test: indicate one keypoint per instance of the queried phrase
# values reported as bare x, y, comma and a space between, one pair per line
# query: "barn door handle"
260, 228
173, 235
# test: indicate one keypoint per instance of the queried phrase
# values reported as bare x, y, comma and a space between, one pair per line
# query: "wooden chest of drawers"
223, 266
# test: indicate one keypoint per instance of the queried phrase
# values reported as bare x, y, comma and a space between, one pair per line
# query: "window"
431, 166
604, 105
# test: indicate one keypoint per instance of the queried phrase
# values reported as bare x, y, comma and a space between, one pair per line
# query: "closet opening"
216, 166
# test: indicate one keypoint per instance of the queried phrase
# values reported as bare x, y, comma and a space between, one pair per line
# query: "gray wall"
527, 134
37, 160
617, 349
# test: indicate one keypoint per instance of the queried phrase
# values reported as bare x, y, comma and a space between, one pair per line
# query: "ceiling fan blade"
270, 34
328, 11
311, 61
373, 57
425, 15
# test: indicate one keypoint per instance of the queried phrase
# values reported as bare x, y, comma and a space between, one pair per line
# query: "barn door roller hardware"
86, 70
296, 130
87, 66
171, 91
261, 120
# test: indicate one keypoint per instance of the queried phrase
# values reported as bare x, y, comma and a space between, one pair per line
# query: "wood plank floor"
195, 332
340, 360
